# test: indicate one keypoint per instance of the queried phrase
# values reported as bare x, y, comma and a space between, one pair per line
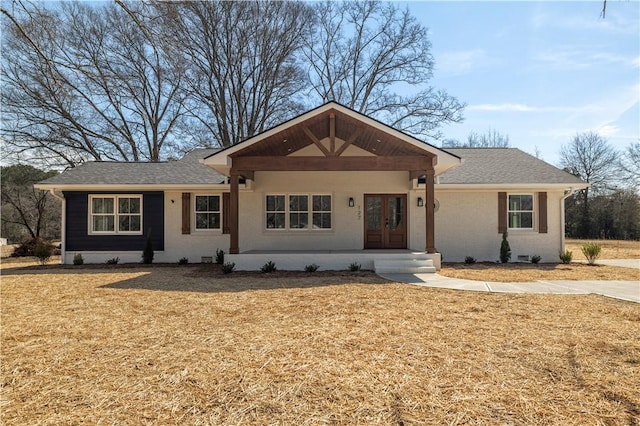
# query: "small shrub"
268, 267
183, 261
505, 249
591, 251
113, 261
77, 259
566, 256
27, 248
536, 259
355, 266
147, 253
219, 256
469, 260
228, 267
43, 252
311, 268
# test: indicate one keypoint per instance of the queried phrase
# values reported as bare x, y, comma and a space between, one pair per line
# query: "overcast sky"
539, 71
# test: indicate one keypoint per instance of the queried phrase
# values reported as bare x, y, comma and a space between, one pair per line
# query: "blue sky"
539, 71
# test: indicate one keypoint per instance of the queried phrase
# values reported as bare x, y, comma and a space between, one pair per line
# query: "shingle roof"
480, 166
502, 166
187, 170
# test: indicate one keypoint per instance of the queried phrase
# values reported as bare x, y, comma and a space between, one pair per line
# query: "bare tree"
629, 164
244, 75
490, 139
81, 82
590, 157
26, 210
364, 54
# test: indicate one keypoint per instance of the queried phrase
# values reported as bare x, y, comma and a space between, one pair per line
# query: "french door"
385, 223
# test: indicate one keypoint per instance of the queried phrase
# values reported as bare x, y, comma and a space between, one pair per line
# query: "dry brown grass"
527, 272
611, 249
187, 345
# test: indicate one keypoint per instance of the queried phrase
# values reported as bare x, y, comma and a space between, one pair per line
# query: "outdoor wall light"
352, 202
420, 202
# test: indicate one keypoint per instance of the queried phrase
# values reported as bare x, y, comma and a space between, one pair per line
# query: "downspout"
63, 225
567, 193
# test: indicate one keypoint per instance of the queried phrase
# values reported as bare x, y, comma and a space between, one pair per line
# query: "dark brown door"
385, 223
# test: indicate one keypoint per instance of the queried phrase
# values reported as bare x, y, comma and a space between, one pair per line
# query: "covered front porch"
350, 164
380, 261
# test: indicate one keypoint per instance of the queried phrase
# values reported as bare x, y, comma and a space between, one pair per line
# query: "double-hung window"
520, 211
207, 212
115, 214
275, 212
298, 211
321, 212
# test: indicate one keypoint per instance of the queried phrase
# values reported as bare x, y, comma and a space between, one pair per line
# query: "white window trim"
115, 214
533, 211
195, 206
287, 211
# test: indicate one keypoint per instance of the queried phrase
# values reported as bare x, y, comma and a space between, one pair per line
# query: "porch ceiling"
319, 127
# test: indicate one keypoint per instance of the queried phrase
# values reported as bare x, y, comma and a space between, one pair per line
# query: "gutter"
63, 224
567, 193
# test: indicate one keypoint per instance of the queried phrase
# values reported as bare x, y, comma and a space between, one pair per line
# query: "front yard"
170, 345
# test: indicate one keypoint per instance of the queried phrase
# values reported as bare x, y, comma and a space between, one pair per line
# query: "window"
298, 211
520, 211
294, 214
322, 212
115, 214
207, 212
275, 212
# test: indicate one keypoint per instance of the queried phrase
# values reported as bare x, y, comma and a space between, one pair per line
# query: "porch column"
233, 213
429, 204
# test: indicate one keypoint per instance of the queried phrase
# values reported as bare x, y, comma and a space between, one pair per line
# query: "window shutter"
542, 212
226, 203
186, 213
502, 212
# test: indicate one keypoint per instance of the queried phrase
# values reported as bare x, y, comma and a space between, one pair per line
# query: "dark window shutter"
542, 213
186, 212
226, 202
502, 212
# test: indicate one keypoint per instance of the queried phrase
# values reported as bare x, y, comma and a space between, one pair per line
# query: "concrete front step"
408, 265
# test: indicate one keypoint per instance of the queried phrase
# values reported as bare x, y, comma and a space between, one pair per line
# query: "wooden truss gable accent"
332, 126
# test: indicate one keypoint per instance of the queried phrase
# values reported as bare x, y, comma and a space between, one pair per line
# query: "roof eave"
130, 187
493, 186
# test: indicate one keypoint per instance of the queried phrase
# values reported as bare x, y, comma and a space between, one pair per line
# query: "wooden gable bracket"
332, 133
315, 140
348, 142
247, 174
416, 174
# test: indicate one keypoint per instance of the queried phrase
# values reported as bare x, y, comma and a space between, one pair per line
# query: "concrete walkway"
625, 263
625, 290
